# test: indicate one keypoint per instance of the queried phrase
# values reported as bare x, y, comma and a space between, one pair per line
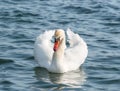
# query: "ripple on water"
29, 58
97, 21
20, 13
79, 9
5, 61
6, 82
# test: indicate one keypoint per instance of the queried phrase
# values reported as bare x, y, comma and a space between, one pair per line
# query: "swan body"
56, 57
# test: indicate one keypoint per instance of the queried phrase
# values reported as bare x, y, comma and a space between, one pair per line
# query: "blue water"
97, 21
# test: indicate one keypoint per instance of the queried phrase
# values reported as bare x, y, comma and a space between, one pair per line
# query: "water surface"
97, 21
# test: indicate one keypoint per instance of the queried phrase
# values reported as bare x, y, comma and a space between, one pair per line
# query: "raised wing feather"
77, 52
43, 49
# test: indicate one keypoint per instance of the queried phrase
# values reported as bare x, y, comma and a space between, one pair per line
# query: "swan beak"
56, 45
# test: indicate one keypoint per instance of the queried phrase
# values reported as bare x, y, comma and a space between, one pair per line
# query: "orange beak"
56, 45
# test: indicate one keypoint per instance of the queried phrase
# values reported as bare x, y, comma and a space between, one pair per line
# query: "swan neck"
57, 59
59, 54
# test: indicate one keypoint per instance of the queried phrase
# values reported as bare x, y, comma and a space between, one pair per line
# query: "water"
97, 21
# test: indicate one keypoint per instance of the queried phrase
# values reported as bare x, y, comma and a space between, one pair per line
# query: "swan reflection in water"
73, 79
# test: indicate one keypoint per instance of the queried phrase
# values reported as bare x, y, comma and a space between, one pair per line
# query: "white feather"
74, 55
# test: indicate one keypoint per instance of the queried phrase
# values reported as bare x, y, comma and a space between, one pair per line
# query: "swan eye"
57, 39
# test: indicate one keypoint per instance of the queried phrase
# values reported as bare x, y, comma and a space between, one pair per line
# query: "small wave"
20, 13
110, 81
4, 26
111, 24
5, 61
115, 32
28, 41
18, 35
6, 82
79, 10
30, 58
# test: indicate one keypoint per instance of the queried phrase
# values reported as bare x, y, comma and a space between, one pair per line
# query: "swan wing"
76, 53
43, 49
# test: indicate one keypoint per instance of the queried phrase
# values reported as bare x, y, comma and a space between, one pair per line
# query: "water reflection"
71, 79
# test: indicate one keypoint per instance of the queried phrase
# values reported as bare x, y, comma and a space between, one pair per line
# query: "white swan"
56, 57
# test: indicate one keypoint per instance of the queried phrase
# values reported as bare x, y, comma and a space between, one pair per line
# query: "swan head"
59, 35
